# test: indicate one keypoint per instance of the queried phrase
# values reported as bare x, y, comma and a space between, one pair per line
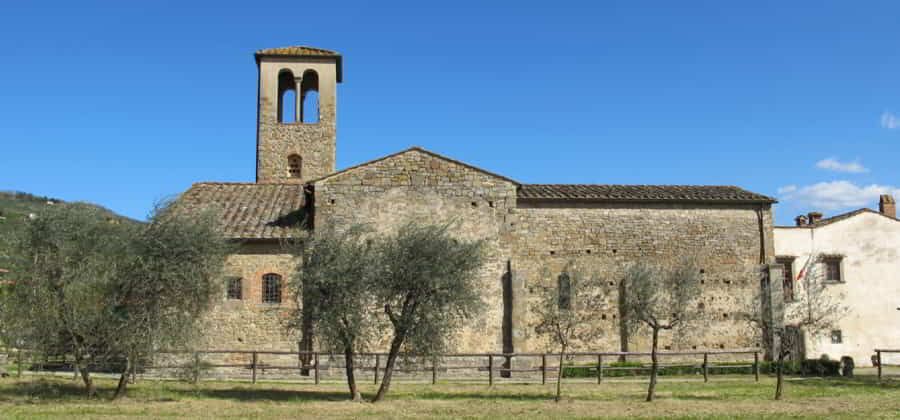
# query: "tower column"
298, 97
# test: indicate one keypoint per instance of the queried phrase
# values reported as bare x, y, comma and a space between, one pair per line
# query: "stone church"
532, 230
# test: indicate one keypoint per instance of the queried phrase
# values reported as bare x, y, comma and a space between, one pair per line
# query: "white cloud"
836, 195
787, 189
890, 121
832, 164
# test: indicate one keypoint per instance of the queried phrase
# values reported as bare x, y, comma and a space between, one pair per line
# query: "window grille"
271, 288
234, 287
833, 270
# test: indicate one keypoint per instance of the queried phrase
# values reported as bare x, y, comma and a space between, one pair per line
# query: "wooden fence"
878, 359
490, 365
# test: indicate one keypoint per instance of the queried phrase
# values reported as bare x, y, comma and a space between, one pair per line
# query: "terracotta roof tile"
249, 211
297, 51
303, 51
640, 193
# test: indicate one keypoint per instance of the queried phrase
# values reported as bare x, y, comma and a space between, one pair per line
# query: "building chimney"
814, 217
800, 220
887, 206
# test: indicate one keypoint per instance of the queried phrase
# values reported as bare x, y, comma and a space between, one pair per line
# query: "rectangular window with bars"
837, 337
833, 270
235, 289
271, 288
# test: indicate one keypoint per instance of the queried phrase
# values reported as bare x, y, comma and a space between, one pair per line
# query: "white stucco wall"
870, 246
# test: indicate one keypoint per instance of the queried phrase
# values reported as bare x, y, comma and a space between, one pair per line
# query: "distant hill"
16, 207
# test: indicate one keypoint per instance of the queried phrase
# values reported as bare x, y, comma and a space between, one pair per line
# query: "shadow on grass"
264, 394
42, 389
475, 395
858, 381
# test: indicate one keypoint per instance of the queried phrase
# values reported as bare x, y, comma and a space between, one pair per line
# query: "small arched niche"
295, 166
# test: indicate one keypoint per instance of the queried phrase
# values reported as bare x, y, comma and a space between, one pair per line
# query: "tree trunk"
88, 383
123, 380
85, 375
351, 379
306, 340
623, 326
654, 365
559, 373
389, 367
779, 376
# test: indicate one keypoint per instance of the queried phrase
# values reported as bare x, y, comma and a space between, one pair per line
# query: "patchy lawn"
729, 397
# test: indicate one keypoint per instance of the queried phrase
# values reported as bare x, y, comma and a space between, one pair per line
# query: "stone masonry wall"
248, 323
724, 239
415, 185
314, 143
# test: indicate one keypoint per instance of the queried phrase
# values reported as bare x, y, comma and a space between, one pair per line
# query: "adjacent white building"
860, 258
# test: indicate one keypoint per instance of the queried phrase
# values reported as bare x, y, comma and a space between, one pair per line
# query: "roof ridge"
294, 50
244, 183
639, 185
417, 149
840, 217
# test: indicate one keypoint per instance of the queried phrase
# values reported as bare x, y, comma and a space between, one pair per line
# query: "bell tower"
295, 132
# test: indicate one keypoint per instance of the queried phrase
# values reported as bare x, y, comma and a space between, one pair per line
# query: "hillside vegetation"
16, 207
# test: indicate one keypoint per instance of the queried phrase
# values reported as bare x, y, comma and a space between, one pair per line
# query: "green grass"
725, 397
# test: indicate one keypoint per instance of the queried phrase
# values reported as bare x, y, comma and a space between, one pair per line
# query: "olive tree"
172, 274
813, 310
106, 289
660, 299
334, 290
426, 281
568, 310
63, 261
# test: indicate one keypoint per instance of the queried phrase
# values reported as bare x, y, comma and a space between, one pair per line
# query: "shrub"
809, 367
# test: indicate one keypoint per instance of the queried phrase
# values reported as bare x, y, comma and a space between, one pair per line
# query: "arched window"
309, 97
295, 166
271, 290
287, 97
565, 291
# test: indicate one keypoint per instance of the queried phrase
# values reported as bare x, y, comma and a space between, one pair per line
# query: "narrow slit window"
565, 291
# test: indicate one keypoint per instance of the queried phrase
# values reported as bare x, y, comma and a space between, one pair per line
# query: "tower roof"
302, 51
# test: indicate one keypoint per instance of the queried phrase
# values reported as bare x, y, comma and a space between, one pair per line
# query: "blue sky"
125, 103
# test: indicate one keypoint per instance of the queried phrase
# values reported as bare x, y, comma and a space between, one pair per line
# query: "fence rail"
489, 364
878, 360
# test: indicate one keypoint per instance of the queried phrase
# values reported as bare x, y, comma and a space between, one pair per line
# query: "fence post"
316, 360
756, 365
253, 366
434, 371
19, 364
491, 369
196, 367
74, 370
705, 367
377, 360
878, 357
544, 369
599, 368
